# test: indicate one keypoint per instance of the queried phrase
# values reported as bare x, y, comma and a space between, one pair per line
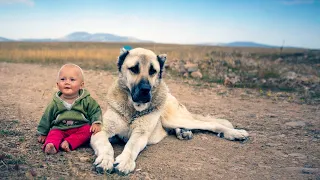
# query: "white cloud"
9, 2
296, 2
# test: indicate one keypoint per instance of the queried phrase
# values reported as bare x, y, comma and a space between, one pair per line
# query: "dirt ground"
284, 142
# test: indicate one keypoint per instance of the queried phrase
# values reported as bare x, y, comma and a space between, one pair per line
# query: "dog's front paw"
104, 163
236, 134
124, 164
183, 134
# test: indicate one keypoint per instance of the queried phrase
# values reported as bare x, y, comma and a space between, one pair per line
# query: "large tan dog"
141, 110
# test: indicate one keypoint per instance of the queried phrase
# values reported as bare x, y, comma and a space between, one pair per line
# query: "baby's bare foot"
65, 146
50, 149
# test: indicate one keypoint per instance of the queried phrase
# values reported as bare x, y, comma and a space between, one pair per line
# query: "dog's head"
140, 72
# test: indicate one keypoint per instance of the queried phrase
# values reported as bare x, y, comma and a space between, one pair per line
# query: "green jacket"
85, 110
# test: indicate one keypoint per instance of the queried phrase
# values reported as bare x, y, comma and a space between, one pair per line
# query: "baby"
72, 116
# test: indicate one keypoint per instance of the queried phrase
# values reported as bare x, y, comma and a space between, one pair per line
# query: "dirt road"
284, 142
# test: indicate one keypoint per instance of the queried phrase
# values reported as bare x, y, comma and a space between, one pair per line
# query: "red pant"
75, 136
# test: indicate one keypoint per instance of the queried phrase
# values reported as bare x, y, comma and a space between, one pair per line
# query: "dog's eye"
134, 69
152, 71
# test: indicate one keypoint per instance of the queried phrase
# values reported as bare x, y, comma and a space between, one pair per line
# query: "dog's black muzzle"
141, 93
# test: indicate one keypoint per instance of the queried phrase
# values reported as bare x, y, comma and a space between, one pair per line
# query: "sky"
294, 22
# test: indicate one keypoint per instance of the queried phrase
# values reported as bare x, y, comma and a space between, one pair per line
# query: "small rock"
28, 175
272, 144
196, 74
33, 172
280, 154
191, 67
303, 170
84, 159
272, 115
237, 62
182, 70
293, 169
263, 81
264, 166
252, 115
198, 148
227, 82
310, 170
279, 60
204, 138
186, 75
282, 135
295, 124
290, 75
231, 81
298, 155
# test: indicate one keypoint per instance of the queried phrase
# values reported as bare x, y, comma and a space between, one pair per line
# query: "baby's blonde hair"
71, 65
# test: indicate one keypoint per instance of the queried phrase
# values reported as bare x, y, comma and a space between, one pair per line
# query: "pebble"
295, 124
303, 170
273, 144
84, 159
298, 155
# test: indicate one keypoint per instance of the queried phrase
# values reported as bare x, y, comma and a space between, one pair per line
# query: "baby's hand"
95, 128
42, 138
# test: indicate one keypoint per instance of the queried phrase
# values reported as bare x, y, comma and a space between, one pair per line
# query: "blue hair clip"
125, 49
128, 48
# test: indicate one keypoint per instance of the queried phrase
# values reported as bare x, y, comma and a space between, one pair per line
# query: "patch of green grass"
208, 79
315, 95
16, 160
22, 139
8, 132
10, 159
269, 74
15, 121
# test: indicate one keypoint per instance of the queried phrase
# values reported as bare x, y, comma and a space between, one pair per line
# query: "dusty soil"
284, 142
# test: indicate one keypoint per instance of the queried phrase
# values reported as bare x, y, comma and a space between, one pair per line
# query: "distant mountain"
212, 44
248, 44
2, 39
98, 37
245, 44
84, 37
37, 40
239, 44
106, 37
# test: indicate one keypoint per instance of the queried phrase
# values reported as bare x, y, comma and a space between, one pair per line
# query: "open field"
283, 144
92, 54
266, 69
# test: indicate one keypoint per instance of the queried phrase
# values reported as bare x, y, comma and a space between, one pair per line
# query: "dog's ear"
161, 59
123, 54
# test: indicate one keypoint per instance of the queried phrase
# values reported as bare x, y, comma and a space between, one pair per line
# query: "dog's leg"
176, 115
141, 131
112, 125
191, 123
125, 162
104, 152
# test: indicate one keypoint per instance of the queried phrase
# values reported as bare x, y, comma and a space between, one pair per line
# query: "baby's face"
70, 81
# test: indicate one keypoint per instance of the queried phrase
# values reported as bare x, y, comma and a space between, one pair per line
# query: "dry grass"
215, 63
103, 55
